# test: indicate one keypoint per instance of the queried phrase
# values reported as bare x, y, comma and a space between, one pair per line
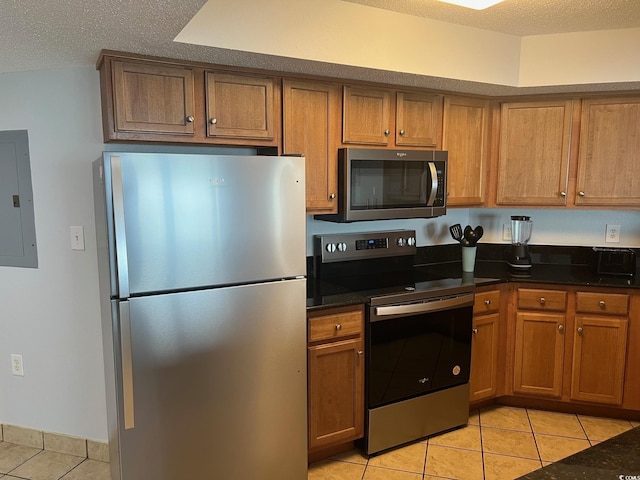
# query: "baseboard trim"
55, 442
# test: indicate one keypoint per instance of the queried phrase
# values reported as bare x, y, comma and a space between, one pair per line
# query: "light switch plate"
77, 238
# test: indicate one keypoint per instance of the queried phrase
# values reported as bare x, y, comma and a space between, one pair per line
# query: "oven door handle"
423, 307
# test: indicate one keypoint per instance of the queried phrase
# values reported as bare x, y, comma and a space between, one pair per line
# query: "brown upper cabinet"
533, 161
152, 99
241, 106
316, 136
537, 152
368, 118
609, 158
465, 137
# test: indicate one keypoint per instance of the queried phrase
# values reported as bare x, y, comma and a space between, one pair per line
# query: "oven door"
418, 347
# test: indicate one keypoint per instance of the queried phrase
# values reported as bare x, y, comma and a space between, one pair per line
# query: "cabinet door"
539, 352
418, 119
464, 136
484, 357
534, 153
314, 136
153, 98
241, 106
599, 353
336, 401
366, 116
609, 158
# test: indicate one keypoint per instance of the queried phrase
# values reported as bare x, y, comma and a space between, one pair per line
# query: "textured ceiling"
42, 34
525, 17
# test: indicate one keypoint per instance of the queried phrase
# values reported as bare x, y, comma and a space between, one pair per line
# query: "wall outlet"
16, 365
613, 234
506, 231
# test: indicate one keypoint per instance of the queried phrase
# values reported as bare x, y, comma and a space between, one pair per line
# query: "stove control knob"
331, 247
342, 247
411, 241
401, 242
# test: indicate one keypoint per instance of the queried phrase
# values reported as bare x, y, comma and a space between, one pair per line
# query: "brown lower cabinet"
335, 376
572, 345
483, 381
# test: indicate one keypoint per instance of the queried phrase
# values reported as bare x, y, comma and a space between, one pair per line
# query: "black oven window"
414, 355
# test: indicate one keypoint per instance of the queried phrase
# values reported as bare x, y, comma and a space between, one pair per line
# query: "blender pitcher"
520, 234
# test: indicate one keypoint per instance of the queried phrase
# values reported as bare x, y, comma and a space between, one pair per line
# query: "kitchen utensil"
469, 234
456, 232
479, 231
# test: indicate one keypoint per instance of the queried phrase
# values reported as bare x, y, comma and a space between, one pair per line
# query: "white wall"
351, 34
346, 33
550, 227
562, 227
580, 58
50, 314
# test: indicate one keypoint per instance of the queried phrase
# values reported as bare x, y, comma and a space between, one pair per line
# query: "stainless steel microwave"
382, 184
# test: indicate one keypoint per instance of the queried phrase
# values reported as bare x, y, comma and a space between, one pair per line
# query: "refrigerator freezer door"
193, 221
219, 385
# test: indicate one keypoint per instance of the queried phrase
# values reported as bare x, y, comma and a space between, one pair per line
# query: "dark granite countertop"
552, 266
613, 459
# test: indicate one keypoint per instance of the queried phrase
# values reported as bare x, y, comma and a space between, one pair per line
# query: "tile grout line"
535, 440
484, 474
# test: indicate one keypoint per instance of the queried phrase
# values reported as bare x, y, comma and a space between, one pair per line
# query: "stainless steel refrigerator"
202, 263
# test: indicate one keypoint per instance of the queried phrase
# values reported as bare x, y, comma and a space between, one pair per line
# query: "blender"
519, 259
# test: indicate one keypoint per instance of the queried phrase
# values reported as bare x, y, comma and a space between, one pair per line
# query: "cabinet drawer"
608, 303
333, 326
542, 299
486, 302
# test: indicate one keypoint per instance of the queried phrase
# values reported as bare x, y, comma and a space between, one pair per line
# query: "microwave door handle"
434, 183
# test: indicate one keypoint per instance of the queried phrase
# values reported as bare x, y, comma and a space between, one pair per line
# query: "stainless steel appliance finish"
380, 184
419, 417
418, 354
202, 270
417, 336
355, 246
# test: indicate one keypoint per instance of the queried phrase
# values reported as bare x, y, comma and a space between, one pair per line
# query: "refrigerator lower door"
212, 384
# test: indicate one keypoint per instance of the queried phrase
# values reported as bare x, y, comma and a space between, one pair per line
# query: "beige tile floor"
498, 443
18, 462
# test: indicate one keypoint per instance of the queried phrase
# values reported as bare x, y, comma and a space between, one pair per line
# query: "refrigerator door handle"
119, 227
127, 365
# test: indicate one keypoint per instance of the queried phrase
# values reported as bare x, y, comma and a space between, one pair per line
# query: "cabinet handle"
602, 304
487, 302
338, 327
581, 194
360, 353
213, 121
580, 330
561, 328
401, 132
190, 119
475, 331
542, 301
387, 132
332, 196
563, 194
